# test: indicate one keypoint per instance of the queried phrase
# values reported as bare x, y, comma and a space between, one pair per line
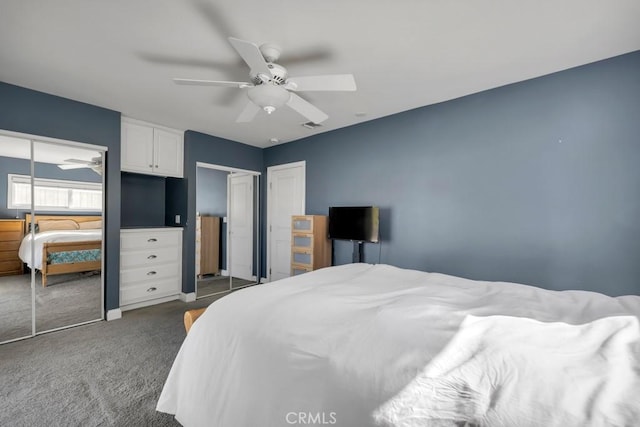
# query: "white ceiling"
122, 54
43, 152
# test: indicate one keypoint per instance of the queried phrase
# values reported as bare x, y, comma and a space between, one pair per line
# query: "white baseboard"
264, 280
190, 297
149, 302
224, 273
114, 314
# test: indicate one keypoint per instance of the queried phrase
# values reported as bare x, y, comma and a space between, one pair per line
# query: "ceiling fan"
272, 88
95, 164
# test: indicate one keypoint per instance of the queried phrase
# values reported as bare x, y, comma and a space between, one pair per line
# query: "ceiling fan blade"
329, 82
78, 166
306, 109
251, 54
249, 112
196, 82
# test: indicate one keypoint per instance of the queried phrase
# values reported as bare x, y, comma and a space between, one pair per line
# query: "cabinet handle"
151, 273
152, 257
152, 240
152, 289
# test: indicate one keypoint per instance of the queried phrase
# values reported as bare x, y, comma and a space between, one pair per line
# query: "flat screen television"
357, 223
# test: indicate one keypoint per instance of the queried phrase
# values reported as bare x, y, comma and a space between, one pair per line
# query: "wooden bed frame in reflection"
53, 247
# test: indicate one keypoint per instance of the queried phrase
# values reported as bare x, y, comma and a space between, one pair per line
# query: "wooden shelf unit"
207, 245
310, 247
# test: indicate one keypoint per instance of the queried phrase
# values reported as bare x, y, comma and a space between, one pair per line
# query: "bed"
63, 244
367, 345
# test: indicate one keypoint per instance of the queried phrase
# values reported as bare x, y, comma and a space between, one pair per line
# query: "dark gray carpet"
102, 374
213, 284
68, 299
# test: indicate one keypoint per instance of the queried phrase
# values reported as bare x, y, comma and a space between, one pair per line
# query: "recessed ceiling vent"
311, 125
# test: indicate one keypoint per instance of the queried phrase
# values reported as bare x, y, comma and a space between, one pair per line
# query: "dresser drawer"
302, 258
11, 235
152, 256
302, 223
10, 246
150, 273
9, 256
12, 225
150, 239
149, 290
10, 266
302, 240
300, 269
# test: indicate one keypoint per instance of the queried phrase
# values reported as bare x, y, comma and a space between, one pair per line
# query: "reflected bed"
63, 244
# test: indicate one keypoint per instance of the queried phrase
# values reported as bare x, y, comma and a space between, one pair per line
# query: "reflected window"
53, 194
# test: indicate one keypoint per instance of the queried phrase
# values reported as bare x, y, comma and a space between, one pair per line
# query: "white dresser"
150, 266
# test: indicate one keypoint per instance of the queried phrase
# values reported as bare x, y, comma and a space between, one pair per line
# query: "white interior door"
240, 226
285, 198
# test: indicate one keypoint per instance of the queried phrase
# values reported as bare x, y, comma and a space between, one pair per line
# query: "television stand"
358, 251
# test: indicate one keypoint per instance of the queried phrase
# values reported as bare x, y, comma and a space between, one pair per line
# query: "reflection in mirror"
67, 239
15, 283
242, 229
226, 229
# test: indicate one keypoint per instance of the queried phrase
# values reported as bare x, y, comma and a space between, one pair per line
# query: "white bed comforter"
333, 346
52, 236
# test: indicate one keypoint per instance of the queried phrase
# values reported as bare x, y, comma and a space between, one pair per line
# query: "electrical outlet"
177, 219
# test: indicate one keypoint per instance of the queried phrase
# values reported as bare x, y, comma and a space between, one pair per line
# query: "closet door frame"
33, 139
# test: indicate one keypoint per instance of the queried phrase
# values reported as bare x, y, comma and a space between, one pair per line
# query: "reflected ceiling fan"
272, 88
95, 164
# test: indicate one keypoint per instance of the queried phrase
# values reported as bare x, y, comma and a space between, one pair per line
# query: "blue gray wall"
37, 113
199, 147
535, 182
143, 200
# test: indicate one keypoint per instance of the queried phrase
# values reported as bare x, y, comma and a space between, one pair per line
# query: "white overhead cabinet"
151, 149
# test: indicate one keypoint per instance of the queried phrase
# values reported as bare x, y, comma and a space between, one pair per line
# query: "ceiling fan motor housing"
278, 75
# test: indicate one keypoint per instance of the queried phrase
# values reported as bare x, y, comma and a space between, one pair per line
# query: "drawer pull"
151, 289
152, 240
152, 257
151, 273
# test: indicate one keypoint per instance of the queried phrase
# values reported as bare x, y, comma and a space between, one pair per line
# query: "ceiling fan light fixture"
269, 97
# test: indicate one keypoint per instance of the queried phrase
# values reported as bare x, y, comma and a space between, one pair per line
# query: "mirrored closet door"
16, 315
227, 224
67, 244
53, 215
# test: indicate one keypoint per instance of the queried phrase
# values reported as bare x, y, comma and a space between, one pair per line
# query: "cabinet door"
168, 153
137, 148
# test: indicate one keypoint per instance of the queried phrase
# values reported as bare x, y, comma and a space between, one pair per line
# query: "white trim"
270, 170
114, 314
155, 125
224, 273
190, 297
264, 280
149, 302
